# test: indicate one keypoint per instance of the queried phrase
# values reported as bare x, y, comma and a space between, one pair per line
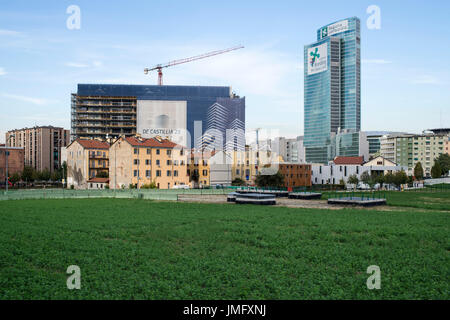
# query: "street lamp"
6, 157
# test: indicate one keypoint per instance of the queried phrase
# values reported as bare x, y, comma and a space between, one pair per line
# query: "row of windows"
148, 162
158, 151
148, 173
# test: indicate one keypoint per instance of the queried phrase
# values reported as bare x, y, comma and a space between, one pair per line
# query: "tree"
365, 177
15, 178
436, 170
389, 178
353, 179
27, 173
342, 183
380, 179
55, 176
418, 171
444, 162
238, 182
44, 175
400, 178
274, 180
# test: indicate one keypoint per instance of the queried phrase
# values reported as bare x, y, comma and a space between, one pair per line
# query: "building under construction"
194, 116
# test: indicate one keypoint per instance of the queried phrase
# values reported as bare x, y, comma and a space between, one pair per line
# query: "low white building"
344, 167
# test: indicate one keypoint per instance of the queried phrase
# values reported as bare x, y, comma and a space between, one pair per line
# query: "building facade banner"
334, 28
317, 59
167, 119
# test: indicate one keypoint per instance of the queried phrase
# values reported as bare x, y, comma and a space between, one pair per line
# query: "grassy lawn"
138, 249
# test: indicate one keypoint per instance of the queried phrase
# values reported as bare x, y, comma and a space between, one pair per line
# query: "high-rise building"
42, 145
332, 86
192, 116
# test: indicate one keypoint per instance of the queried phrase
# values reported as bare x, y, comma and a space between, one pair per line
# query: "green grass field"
139, 249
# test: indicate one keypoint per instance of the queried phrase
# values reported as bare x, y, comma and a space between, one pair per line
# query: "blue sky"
405, 68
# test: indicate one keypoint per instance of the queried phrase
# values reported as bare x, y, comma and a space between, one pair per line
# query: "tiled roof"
349, 160
93, 144
99, 180
152, 142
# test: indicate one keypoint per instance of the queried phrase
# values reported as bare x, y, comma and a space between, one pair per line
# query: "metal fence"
172, 194
150, 194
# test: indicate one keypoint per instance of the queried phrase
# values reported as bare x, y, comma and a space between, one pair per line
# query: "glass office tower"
332, 89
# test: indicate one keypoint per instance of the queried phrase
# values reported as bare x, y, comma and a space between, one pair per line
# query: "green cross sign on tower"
314, 55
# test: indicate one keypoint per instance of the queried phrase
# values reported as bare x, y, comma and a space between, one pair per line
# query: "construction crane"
159, 67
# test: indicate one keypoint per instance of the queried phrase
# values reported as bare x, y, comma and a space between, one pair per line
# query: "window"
149, 151
157, 162
158, 173
157, 151
237, 171
148, 162
175, 173
169, 162
136, 161
181, 152
136, 151
136, 173
148, 173
169, 173
205, 173
169, 152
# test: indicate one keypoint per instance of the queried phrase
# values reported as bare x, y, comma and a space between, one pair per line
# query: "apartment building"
139, 161
15, 162
42, 145
198, 169
86, 160
409, 149
426, 148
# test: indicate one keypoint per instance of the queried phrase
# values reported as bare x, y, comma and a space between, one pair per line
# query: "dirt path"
281, 202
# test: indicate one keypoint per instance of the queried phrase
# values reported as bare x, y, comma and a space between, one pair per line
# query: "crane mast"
159, 67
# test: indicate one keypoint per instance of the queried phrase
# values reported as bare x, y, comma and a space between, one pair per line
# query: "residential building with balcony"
86, 159
140, 161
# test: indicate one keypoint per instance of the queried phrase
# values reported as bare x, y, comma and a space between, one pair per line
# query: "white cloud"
37, 101
376, 61
4, 32
95, 64
2, 72
76, 65
425, 79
